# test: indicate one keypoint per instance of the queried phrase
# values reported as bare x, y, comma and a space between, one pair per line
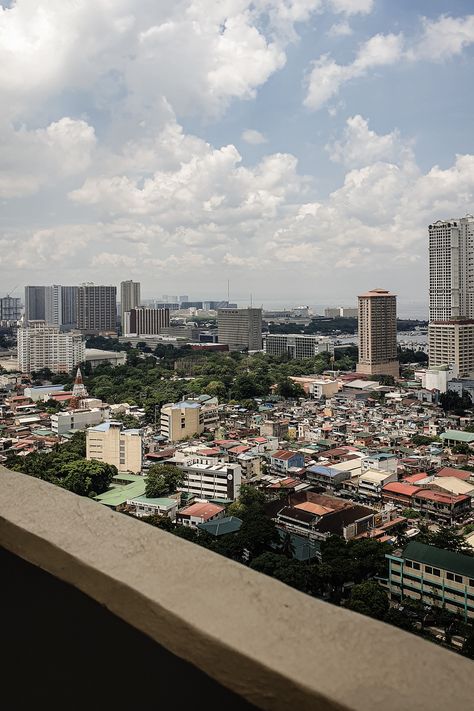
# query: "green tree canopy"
369, 599
162, 480
85, 477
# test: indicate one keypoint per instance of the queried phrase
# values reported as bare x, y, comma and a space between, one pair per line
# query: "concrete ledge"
274, 646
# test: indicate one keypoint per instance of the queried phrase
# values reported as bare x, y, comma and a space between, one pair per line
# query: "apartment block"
187, 418
35, 308
10, 308
145, 321
297, 346
97, 309
451, 343
64, 422
109, 442
130, 298
211, 481
434, 576
43, 346
378, 333
341, 312
240, 328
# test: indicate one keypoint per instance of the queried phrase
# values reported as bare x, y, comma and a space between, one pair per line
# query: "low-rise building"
382, 461
188, 418
372, 481
199, 512
63, 422
142, 506
110, 442
283, 460
219, 481
433, 575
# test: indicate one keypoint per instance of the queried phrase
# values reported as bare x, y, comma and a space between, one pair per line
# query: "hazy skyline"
298, 148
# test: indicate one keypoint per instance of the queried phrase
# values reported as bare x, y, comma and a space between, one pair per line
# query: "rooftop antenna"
228, 290
251, 301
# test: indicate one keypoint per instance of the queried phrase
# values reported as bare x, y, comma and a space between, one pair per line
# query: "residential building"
35, 307
219, 481
372, 481
188, 418
433, 575
129, 299
451, 294
378, 333
296, 345
283, 460
110, 442
316, 386
142, 506
329, 477
43, 346
145, 321
381, 461
199, 512
240, 328
69, 306
451, 344
71, 420
97, 309
10, 308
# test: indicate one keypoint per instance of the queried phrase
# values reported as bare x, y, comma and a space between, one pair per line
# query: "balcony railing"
221, 627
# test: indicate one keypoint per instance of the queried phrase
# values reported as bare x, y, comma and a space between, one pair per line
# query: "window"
408, 564
436, 571
471, 582
416, 566
428, 570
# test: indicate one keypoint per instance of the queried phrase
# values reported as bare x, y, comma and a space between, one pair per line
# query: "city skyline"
297, 143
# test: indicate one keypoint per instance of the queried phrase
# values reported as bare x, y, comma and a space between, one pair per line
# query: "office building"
35, 303
297, 345
10, 308
240, 328
43, 346
145, 321
435, 576
378, 333
64, 422
341, 312
211, 481
69, 306
129, 299
109, 442
451, 295
97, 309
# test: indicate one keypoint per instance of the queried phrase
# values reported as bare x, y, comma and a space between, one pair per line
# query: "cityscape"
256, 489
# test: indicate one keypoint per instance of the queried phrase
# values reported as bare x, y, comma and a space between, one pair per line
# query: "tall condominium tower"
378, 333
97, 309
240, 328
10, 308
451, 294
43, 346
35, 307
129, 298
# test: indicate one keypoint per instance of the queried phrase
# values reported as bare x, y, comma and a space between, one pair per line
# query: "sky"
297, 149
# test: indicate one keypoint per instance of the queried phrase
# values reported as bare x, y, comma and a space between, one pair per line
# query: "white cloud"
360, 146
340, 29
327, 77
253, 137
443, 38
352, 7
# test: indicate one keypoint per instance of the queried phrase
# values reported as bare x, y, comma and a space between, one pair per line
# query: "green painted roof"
155, 501
458, 436
120, 494
221, 526
448, 560
127, 477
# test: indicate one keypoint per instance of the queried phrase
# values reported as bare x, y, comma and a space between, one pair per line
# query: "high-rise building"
69, 306
145, 322
35, 303
110, 442
451, 294
53, 305
10, 308
378, 333
129, 298
240, 328
296, 345
97, 309
43, 346
341, 312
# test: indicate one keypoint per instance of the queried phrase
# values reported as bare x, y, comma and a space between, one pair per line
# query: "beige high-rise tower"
129, 298
378, 333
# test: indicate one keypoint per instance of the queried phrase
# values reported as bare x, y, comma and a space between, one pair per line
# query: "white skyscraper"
43, 346
451, 328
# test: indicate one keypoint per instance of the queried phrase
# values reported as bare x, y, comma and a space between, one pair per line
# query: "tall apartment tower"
97, 309
240, 328
129, 298
43, 346
35, 306
10, 308
451, 294
378, 333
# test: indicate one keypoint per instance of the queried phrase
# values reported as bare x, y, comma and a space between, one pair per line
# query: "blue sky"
298, 148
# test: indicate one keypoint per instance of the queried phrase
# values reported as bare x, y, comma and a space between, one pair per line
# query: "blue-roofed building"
110, 442
328, 477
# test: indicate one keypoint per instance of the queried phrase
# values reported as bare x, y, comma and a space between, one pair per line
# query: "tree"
399, 619
468, 646
411, 513
461, 448
163, 522
216, 388
289, 389
446, 537
290, 572
163, 479
86, 478
450, 401
369, 599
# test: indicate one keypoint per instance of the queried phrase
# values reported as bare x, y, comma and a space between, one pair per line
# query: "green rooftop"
440, 558
118, 495
154, 501
458, 436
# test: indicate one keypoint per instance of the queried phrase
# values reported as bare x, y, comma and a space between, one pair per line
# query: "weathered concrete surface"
278, 648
